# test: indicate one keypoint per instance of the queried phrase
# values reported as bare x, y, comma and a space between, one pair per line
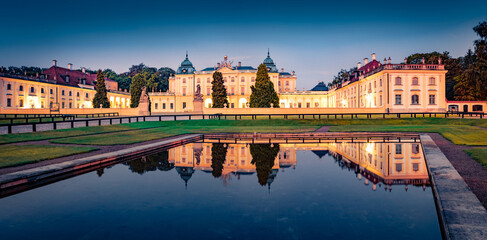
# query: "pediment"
226, 70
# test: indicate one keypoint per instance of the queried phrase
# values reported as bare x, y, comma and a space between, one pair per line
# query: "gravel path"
474, 174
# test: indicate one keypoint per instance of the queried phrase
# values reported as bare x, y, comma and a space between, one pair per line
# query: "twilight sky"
315, 39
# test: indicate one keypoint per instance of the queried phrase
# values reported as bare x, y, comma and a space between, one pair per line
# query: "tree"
453, 65
138, 82
158, 161
218, 157
219, 92
263, 93
164, 74
342, 76
472, 83
263, 156
101, 92
153, 82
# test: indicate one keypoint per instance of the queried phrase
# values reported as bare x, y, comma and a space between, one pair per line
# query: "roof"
372, 65
70, 77
321, 86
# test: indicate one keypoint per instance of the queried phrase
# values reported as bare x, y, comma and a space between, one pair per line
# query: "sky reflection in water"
239, 191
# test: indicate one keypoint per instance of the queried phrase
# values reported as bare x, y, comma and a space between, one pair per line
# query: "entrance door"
465, 108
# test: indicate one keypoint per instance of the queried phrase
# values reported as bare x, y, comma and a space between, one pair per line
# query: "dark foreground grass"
13, 155
479, 154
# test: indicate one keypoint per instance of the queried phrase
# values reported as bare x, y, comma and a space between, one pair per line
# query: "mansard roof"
321, 86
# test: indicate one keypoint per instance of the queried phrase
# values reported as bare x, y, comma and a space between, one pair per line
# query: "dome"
186, 67
271, 67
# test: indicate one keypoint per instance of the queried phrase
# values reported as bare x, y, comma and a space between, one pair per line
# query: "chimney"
239, 64
405, 60
218, 65
389, 60
54, 63
282, 69
373, 56
83, 69
70, 66
359, 65
385, 61
366, 60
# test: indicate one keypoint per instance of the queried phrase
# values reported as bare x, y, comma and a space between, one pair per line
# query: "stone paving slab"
460, 211
35, 174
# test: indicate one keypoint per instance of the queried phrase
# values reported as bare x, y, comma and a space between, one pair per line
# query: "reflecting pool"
202, 190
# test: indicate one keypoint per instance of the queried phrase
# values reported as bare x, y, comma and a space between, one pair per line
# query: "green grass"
23, 137
22, 154
479, 154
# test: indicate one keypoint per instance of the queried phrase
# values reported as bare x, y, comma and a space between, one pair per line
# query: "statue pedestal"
198, 106
144, 109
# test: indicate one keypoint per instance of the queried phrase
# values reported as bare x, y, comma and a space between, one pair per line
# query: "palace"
57, 87
375, 87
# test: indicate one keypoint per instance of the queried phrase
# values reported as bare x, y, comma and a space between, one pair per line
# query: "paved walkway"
460, 211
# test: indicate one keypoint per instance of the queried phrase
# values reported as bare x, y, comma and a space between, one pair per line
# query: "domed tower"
186, 67
269, 63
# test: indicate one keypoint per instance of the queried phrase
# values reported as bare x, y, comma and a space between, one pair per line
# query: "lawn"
17, 155
479, 154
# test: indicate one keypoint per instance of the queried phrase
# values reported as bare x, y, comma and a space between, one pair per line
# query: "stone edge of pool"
460, 212
36, 174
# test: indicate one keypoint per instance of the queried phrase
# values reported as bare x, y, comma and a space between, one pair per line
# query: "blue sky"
315, 39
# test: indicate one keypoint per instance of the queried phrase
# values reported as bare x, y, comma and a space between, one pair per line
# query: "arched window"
87, 95
184, 80
21, 88
432, 81
415, 99
9, 86
233, 79
242, 79
415, 81
42, 90
32, 89
77, 94
70, 93
398, 81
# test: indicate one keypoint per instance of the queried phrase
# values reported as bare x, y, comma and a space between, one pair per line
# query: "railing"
37, 79
130, 119
403, 67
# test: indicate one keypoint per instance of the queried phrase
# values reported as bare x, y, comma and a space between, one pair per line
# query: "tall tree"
138, 82
219, 94
218, 157
153, 82
101, 92
472, 84
263, 93
263, 156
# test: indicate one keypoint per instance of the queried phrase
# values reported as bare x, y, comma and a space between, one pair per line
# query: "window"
163, 106
21, 88
242, 79
232, 105
51, 91
299, 105
380, 83
415, 99
308, 105
233, 79
398, 167
242, 90
70, 105
9, 102
70, 93
21, 103
208, 80
9, 86
225, 79
208, 91
233, 91
253, 79
62, 92
477, 108
432, 99
398, 148
184, 91
184, 105
317, 104
155, 106
287, 83
415, 148
87, 96
380, 97
184, 80
398, 81
32, 90
415, 81
398, 99
172, 105
432, 81
42, 90
415, 167
77, 94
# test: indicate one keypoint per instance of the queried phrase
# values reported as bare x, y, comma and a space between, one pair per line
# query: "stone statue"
144, 103
197, 95
143, 96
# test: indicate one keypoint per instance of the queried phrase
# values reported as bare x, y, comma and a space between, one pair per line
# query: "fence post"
189, 117
174, 117
87, 123
9, 128
160, 118
54, 125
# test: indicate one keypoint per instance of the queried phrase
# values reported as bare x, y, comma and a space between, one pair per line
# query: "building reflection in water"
376, 164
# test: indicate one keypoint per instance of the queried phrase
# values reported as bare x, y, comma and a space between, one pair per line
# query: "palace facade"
57, 87
383, 87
